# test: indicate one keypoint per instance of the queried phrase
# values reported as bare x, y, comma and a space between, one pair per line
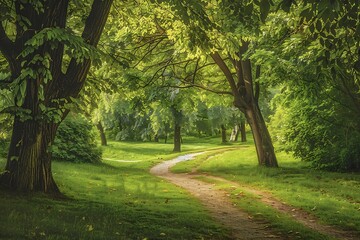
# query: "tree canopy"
173, 67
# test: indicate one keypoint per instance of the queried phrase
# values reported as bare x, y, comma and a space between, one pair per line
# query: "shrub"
326, 134
75, 141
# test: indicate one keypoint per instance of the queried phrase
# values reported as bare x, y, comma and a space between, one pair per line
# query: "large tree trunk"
223, 134
246, 94
264, 147
28, 165
100, 127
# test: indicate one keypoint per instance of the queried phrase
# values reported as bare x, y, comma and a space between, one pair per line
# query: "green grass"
333, 197
121, 200
113, 200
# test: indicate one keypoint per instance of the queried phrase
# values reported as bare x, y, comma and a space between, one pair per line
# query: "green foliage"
304, 53
320, 130
4, 143
77, 47
5, 124
75, 141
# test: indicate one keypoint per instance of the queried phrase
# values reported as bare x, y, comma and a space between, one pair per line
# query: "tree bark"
100, 127
28, 165
262, 139
177, 114
243, 131
223, 134
235, 133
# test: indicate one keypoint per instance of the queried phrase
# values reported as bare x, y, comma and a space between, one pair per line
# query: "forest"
228, 119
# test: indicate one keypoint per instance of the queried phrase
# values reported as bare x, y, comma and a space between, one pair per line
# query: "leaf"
22, 88
90, 228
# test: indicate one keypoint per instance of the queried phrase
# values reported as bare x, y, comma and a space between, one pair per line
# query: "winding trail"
237, 221
216, 202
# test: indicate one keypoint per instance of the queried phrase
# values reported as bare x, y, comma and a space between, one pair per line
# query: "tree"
178, 102
48, 64
187, 38
223, 31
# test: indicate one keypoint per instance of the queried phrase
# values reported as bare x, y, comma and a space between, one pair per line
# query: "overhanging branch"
6, 45
190, 85
94, 25
229, 76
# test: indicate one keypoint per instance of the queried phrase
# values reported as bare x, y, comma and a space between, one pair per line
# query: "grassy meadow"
112, 200
119, 199
334, 198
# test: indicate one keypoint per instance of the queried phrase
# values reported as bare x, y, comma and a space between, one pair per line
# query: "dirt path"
236, 220
298, 214
217, 203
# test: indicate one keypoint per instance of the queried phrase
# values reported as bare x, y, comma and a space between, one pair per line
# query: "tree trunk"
177, 138
223, 134
28, 165
156, 138
246, 93
102, 134
264, 148
243, 131
178, 115
234, 134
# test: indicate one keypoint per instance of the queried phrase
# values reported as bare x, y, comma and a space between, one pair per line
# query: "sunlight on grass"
112, 200
121, 200
333, 197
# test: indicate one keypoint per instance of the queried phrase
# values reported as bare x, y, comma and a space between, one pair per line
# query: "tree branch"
148, 52
201, 87
94, 25
225, 69
6, 45
247, 73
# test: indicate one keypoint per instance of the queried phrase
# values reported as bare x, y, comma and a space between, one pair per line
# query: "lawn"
119, 199
333, 197
113, 200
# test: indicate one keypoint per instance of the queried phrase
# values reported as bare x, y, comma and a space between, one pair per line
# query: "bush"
326, 134
75, 141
